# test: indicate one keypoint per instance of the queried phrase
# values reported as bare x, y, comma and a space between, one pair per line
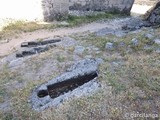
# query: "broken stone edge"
80, 68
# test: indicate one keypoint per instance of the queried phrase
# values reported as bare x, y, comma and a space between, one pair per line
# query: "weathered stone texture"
48, 10
43, 98
146, 2
153, 15
102, 5
55, 9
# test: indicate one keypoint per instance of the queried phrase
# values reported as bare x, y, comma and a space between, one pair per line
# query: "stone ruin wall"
48, 10
55, 9
102, 5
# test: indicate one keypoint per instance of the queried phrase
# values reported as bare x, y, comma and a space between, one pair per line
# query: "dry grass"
16, 27
130, 83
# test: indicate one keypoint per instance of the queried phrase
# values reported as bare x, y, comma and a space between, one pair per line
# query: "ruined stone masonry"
48, 10
55, 9
102, 5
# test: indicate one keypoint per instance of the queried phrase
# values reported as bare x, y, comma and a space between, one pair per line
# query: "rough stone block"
78, 80
55, 9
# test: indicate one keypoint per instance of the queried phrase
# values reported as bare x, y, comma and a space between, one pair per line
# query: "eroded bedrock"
121, 27
79, 80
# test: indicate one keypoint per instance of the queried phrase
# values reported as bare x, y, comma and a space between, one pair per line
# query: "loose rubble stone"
157, 41
121, 28
149, 36
79, 49
135, 24
135, 42
146, 47
109, 46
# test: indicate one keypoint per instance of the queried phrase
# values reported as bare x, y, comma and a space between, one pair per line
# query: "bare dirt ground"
6, 48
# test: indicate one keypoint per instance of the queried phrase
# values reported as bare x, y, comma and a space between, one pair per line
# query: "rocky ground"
128, 74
